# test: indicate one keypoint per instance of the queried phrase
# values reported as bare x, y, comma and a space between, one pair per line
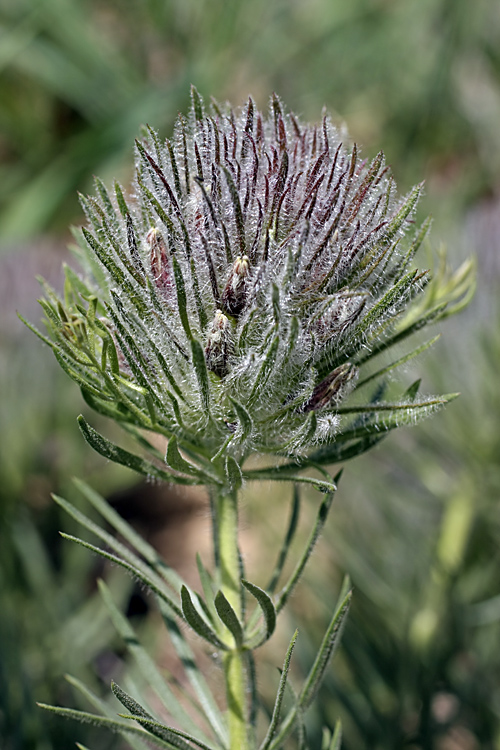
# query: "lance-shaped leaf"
208, 586
118, 455
135, 572
279, 474
196, 621
175, 737
398, 362
148, 668
229, 617
167, 575
103, 707
268, 612
397, 407
128, 533
178, 463
316, 674
115, 725
279, 696
244, 419
195, 677
326, 651
290, 533
433, 316
299, 568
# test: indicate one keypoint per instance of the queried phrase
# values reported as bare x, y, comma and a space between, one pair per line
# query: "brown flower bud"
330, 388
158, 258
234, 296
218, 345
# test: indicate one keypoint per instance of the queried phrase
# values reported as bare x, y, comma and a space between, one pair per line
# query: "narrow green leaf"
175, 736
268, 612
313, 538
198, 683
167, 575
176, 462
108, 408
147, 667
398, 362
208, 586
135, 572
279, 696
290, 533
168, 734
325, 653
244, 419
429, 317
229, 617
113, 724
408, 205
382, 406
196, 622
129, 534
392, 297
282, 474
103, 707
118, 455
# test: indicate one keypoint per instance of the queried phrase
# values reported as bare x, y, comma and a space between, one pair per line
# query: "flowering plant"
234, 304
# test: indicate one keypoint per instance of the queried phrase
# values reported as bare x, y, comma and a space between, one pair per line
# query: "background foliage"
417, 524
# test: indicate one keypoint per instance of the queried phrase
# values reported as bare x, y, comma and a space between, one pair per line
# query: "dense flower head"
233, 297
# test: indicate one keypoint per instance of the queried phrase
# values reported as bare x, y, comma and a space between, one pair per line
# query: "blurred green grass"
419, 79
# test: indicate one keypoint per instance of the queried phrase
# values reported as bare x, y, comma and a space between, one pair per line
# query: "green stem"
225, 510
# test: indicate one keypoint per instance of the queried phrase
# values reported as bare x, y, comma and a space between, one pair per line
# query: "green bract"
232, 299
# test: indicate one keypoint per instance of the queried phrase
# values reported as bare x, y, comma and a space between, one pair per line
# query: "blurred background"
417, 524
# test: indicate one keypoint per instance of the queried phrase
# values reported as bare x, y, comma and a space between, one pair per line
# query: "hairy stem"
225, 509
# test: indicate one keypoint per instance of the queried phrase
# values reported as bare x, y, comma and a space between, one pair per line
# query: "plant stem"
228, 563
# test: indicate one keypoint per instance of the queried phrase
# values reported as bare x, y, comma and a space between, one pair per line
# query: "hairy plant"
234, 303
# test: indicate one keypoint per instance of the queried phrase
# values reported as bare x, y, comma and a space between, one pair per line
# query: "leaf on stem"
175, 737
279, 696
147, 666
326, 651
229, 617
118, 455
268, 612
104, 721
198, 683
196, 622
135, 572
290, 533
299, 569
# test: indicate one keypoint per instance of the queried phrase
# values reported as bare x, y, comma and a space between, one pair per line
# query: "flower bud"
158, 258
331, 388
218, 345
234, 296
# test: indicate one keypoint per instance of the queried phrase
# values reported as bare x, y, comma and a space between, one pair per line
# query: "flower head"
232, 300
